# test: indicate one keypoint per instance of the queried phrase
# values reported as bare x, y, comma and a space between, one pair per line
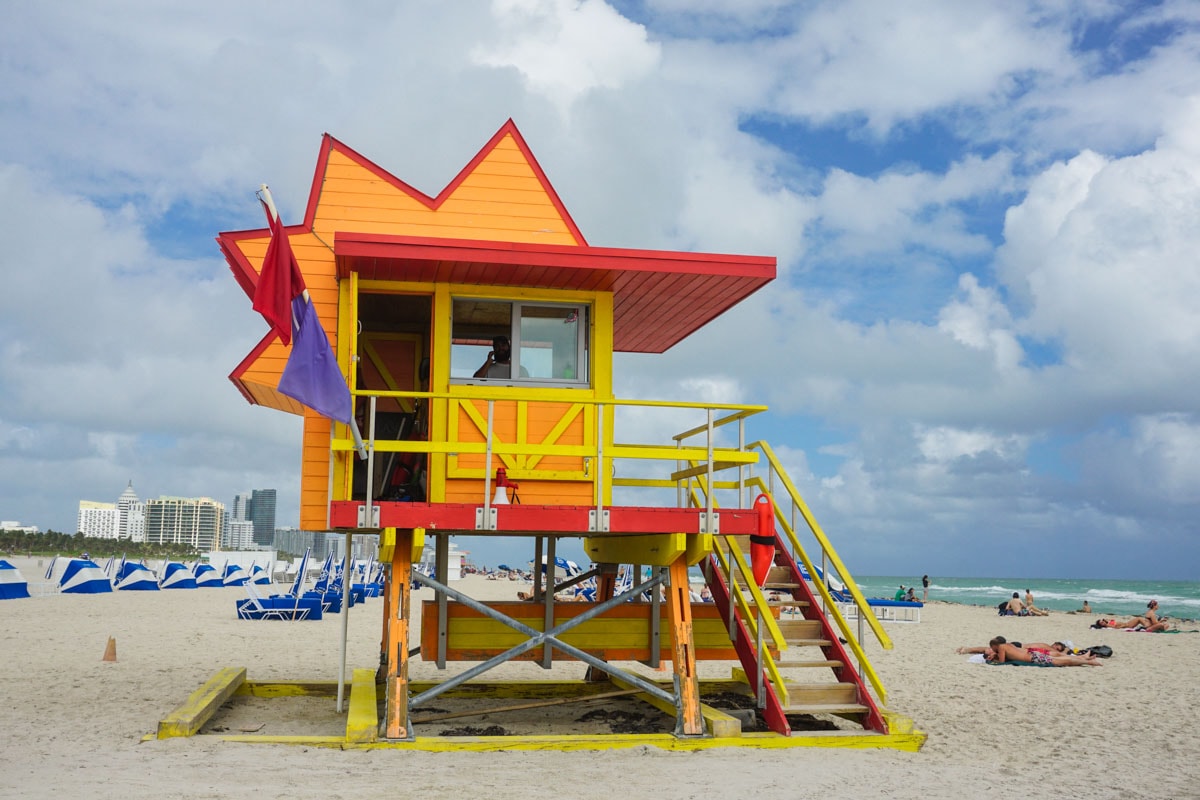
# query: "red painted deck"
515, 520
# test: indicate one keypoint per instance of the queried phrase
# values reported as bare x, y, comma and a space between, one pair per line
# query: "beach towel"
978, 658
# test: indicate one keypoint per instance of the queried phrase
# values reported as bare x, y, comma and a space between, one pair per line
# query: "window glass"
549, 341
546, 343
475, 324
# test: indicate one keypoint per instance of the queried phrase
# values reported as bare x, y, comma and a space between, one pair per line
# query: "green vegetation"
52, 543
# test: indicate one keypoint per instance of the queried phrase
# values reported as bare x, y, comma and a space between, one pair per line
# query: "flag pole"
360, 447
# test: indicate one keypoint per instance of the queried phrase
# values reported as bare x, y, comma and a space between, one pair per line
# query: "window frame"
582, 378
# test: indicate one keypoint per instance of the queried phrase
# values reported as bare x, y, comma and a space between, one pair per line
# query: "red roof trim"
243, 271
420, 248
314, 192
240, 370
659, 297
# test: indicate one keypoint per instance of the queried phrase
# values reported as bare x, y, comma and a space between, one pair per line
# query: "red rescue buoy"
762, 544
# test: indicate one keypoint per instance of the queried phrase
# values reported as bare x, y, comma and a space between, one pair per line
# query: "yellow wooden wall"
557, 480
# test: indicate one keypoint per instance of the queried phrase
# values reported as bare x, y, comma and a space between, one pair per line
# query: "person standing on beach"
925, 584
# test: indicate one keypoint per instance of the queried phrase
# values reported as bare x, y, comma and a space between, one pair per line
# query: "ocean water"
1179, 599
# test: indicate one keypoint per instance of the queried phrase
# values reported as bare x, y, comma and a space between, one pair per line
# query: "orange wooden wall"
501, 195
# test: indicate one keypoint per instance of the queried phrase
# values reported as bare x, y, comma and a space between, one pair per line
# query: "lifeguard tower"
415, 294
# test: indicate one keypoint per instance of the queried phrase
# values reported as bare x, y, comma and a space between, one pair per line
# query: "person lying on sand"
1147, 623
1056, 648
1003, 653
1137, 624
999, 651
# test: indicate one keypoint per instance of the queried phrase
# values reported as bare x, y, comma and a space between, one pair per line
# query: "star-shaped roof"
498, 223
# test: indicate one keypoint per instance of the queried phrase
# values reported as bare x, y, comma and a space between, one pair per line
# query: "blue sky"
983, 348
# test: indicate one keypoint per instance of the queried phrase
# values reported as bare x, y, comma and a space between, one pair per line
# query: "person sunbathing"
1157, 623
1135, 622
1003, 653
1055, 648
1146, 623
1013, 608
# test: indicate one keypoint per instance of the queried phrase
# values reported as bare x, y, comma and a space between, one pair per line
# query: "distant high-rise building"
241, 506
197, 522
295, 541
124, 520
99, 520
262, 514
239, 535
132, 524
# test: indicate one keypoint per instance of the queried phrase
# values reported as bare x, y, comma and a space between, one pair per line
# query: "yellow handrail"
757, 601
864, 609
709, 456
727, 562
830, 604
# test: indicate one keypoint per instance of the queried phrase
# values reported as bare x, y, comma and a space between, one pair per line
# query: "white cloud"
1149, 468
943, 444
891, 63
907, 209
1102, 251
566, 48
981, 321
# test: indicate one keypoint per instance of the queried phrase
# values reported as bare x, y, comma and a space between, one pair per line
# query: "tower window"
546, 343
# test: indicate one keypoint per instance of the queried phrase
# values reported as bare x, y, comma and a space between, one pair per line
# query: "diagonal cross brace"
538, 638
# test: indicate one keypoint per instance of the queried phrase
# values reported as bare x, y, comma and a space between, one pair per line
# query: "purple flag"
312, 376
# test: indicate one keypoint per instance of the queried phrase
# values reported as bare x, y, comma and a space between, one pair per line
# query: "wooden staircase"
782, 679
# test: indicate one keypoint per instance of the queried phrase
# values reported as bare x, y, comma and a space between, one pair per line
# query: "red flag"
278, 282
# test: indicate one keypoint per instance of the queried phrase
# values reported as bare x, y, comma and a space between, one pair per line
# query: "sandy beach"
73, 724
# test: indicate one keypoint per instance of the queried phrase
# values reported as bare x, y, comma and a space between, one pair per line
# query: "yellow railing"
699, 495
601, 446
759, 623
694, 479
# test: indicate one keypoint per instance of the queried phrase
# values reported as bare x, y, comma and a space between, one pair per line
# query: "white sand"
73, 724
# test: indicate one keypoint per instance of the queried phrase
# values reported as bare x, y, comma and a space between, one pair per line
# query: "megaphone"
502, 484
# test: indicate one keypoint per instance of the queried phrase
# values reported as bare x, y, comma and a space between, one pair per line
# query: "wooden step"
800, 664
780, 576
743, 543
828, 708
820, 693
824, 698
788, 603
800, 629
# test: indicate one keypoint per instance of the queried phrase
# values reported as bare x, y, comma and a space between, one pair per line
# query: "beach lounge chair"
280, 607
253, 608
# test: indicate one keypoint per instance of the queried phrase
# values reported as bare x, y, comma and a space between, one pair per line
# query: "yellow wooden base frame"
362, 723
